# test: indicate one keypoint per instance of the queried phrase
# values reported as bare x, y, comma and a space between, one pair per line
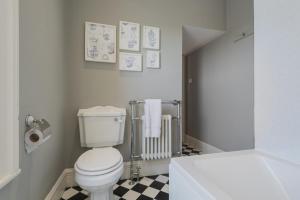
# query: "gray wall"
42, 92
51, 37
221, 96
91, 84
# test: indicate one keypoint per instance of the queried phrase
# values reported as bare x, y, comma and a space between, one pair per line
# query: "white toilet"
98, 169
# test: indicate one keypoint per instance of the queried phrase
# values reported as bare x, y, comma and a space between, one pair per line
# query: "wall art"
129, 36
152, 59
100, 42
130, 61
151, 37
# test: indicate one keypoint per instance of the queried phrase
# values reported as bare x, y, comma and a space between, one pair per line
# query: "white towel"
152, 111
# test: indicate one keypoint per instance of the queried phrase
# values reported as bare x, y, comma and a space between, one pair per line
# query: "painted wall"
221, 94
42, 93
277, 83
91, 84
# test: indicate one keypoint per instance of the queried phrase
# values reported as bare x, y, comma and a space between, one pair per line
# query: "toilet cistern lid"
99, 159
102, 111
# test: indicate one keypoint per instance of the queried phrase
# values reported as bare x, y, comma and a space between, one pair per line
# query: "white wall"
277, 78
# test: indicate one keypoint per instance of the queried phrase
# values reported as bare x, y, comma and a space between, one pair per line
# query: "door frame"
9, 89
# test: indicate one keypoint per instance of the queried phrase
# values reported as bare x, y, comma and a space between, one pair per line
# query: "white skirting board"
148, 167
66, 179
204, 147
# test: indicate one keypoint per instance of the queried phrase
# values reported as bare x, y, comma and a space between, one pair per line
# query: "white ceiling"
194, 38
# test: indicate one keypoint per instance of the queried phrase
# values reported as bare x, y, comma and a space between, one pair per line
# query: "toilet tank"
101, 126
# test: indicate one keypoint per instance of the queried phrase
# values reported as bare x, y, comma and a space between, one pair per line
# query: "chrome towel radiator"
135, 171
161, 147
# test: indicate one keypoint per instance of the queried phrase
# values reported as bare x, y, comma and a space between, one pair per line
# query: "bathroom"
47, 76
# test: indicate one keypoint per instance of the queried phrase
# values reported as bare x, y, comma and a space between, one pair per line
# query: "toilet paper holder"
31, 122
38, 132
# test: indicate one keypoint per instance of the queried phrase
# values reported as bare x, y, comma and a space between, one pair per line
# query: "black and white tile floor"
149, 187
188, 150
74, 193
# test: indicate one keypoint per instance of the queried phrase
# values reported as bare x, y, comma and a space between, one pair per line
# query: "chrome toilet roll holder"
31, 122
38, 132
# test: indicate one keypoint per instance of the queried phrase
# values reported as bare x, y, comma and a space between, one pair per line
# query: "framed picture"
152, 59
100, 42
130, 61
129, 36
151, 37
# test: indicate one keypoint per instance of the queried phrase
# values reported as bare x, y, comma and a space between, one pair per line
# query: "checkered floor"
188, 150
74, 193
149, 187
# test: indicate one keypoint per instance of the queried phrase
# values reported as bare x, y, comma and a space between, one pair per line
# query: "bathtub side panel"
181, 188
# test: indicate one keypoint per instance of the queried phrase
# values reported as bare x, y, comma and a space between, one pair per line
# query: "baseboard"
204, 147
148, 167
66, 179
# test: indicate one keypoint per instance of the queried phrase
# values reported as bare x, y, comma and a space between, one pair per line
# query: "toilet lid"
99, 160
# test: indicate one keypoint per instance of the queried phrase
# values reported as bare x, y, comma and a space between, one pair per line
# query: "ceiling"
194, 38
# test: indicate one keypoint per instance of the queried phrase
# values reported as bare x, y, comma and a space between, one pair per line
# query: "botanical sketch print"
129, 36
151, 37
130, 61
100, 42
153, 59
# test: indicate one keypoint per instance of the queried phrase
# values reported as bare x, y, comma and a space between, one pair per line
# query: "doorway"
193, 39
218, 88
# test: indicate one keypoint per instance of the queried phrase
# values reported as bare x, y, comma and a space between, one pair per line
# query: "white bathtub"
242, 175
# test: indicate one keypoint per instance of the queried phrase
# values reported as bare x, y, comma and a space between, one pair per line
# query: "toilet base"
102, 195
100, 186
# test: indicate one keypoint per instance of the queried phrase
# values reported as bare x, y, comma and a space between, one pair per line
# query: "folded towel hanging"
152, 117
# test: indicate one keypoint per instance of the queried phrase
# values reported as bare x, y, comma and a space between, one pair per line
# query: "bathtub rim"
203, 184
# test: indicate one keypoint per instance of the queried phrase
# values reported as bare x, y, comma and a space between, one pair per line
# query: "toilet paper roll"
33, 137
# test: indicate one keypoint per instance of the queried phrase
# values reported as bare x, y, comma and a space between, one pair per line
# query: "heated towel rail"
135, 171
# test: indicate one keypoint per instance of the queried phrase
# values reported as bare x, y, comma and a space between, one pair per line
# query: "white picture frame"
130, 61
151, 37
129, 36
152, 59
100, 42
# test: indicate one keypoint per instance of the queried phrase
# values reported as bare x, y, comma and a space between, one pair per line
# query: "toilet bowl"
98, 170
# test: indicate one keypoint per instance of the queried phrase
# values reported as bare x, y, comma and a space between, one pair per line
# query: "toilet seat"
99, 161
